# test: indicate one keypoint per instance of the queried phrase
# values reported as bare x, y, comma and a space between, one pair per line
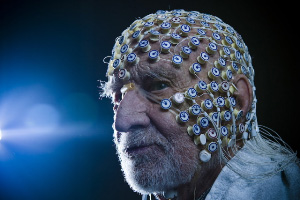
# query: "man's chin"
151, 174
144, 179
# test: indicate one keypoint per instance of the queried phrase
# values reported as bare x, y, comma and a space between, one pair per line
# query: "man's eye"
118, 97
155, 86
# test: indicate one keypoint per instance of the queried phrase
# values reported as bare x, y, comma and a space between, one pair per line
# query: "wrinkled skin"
155, 152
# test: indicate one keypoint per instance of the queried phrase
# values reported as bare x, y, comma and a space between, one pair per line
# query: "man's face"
155, 152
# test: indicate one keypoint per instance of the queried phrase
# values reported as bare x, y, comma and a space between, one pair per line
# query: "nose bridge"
132, 111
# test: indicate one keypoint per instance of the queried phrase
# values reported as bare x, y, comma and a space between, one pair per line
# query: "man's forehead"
147, 70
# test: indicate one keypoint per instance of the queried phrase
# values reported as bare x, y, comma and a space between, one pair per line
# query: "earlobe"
244, 94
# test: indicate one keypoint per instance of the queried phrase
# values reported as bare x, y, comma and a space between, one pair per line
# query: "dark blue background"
50, 60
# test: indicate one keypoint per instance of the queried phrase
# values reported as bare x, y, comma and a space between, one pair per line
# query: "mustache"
140, 137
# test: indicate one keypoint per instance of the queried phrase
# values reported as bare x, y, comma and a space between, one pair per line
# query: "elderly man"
182, 84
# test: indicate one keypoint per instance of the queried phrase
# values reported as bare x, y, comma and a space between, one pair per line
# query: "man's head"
182, 85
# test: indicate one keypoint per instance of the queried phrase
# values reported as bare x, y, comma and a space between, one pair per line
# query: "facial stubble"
169, 164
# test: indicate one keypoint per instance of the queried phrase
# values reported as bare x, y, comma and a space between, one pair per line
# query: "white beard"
161, 170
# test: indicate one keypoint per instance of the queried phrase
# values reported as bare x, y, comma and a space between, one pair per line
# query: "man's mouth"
142, 149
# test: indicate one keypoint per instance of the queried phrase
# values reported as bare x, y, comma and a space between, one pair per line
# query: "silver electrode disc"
196, 129
166, 104
196, 109
220, 101
143, 43
185, 28
196, 67
214, 86
131, 57
201, 31
227, 115
216, 36
208, 104
178, 98
192, 93
124, 48
204, 156
204, 122
212, 147
184, 116
224, 131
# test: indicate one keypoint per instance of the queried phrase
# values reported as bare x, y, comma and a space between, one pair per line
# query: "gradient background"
56, 133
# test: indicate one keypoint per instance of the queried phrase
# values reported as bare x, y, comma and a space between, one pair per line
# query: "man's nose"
132, 112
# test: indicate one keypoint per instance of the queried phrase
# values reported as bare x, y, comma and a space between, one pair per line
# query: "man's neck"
199, 185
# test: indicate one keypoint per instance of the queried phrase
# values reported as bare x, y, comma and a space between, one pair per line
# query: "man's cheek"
116, 137
163, 120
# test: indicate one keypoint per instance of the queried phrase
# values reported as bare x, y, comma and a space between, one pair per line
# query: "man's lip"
138, 149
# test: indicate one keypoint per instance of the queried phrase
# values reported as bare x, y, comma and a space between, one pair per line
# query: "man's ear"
244, 94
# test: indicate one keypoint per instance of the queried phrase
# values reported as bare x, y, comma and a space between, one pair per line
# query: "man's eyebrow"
116, 85
159, 72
